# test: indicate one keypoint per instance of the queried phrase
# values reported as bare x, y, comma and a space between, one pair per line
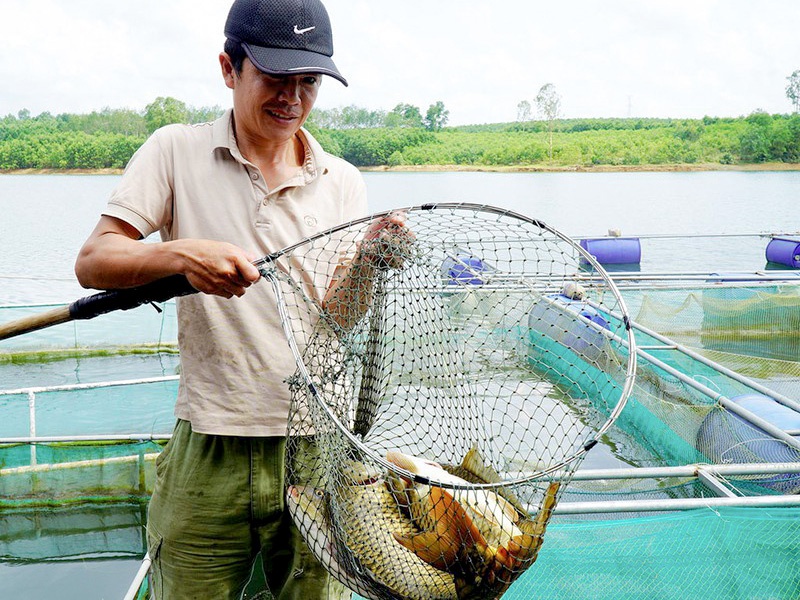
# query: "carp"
482, 538
350, 529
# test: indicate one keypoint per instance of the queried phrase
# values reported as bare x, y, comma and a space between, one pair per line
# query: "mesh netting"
430, 438
725, 554
686, 410
96, 441
740, 318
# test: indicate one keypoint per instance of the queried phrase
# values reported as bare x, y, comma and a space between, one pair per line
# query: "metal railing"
31, 393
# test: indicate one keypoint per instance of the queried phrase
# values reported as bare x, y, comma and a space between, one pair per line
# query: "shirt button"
266, 200
254, 176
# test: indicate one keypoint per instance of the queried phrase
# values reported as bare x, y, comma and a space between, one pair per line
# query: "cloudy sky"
615, 58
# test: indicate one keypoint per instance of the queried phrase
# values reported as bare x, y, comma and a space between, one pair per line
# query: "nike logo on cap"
299, 31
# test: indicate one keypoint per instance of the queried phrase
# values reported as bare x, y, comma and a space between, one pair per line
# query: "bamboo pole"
101, 303
35, 322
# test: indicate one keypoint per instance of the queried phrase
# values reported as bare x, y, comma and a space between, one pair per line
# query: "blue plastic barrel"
725, 437
614, 250
784, 251
464, 269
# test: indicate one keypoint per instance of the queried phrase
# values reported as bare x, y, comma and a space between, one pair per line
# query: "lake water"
45, 218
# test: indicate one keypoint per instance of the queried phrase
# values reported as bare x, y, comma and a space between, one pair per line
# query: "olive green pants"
217, 502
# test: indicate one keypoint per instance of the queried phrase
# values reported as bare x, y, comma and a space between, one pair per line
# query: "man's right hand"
217, 268
114, 257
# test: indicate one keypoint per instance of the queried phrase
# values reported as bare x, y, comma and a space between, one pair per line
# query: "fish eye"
318, 493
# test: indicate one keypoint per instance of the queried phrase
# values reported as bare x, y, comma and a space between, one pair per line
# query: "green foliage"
548, 104
404, 115
325, 137
768, 138
107, 138
349, 117
164, 111
68, 150
436, 117
793, 89
99, 140
204, 114
371, 147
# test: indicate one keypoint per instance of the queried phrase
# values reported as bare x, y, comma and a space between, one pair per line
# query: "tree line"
404, 136
103, 139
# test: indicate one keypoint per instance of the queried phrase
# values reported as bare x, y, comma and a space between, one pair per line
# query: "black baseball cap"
284, 37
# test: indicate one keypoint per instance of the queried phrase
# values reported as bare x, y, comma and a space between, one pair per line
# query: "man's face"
269, 107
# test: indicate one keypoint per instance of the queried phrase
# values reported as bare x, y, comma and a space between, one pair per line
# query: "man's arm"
384, 245
114, 257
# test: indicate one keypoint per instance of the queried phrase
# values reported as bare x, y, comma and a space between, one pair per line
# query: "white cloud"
667, 58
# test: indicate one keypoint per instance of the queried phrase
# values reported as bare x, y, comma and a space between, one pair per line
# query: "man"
222, 194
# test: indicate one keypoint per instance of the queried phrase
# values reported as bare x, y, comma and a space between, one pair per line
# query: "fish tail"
525, 547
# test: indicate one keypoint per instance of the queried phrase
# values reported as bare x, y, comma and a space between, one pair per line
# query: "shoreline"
667, 168
670, 168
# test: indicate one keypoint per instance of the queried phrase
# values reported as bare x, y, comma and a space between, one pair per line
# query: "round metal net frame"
448, 385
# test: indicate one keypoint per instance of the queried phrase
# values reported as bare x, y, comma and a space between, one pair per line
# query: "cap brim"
284, 61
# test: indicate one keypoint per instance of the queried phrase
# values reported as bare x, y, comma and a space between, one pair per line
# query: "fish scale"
366, 515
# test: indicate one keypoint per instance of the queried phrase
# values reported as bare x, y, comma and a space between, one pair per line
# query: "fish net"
713, 384
429, 436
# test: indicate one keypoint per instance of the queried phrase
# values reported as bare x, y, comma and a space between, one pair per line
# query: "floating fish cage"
410, 439
625, 253
686, 408
87, 407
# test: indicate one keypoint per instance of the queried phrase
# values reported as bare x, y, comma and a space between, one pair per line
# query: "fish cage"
87, 407
651, 512
627, 526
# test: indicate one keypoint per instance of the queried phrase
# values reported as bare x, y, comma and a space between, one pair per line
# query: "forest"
106, 139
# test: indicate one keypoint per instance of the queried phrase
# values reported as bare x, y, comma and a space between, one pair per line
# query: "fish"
350, 529
307, 508
475, 469
494, 516
476, 535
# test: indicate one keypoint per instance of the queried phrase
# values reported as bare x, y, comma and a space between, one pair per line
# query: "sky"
615, 58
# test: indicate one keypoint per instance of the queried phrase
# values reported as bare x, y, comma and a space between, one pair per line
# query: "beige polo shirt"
192, 182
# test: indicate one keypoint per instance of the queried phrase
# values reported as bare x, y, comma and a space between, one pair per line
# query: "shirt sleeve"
144, 196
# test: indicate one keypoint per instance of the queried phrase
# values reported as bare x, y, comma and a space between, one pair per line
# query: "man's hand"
387, 242
217, 268
385, 245
114, 257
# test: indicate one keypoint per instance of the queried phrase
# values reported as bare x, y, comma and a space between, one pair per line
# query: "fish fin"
430, 547
548, 505
452, 521
525, 547
475, 464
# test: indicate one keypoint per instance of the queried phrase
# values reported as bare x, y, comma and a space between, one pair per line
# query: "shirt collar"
315, 160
